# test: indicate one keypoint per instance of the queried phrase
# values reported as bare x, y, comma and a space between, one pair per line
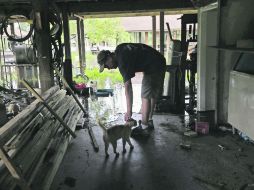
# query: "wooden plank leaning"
14, 125
70, 90
25, 83
13, 169
94, 142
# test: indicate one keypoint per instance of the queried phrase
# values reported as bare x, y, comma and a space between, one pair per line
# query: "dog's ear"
131, 122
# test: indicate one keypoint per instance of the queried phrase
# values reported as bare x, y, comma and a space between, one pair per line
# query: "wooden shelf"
234, 49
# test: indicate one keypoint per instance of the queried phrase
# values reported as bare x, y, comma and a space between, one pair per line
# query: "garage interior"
203, 137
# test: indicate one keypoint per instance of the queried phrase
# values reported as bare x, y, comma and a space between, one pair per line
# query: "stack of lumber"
36, 141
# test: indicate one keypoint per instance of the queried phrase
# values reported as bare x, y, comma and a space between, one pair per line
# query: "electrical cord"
55, 35
5, 24
55, 38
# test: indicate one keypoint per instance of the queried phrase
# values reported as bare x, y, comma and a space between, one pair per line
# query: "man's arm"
129, 99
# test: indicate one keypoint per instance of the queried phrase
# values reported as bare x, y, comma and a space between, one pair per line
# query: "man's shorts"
152, 85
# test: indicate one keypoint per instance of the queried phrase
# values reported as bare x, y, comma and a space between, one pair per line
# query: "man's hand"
127, 116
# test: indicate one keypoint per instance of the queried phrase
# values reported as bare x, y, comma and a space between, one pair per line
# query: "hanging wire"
5, 24
55, 37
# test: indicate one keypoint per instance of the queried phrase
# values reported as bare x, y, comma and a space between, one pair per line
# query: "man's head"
105, 60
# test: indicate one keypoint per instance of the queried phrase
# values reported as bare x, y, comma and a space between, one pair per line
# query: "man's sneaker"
138, 131
150, 125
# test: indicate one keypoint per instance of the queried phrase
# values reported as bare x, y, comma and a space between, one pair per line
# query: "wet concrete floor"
156, 162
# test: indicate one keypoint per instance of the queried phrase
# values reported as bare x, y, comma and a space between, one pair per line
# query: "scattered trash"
221, 147
104, 92
190, 133
185, 146
13, 108
245, 137
225, 129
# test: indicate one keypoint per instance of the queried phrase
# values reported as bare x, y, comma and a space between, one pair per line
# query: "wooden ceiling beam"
112, 8
86, 8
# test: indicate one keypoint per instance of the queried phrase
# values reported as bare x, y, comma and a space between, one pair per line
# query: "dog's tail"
101, 124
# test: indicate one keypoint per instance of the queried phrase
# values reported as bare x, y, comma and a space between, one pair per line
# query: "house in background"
140, 28
141, 31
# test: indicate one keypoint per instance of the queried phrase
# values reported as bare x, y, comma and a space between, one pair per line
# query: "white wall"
237, 22
207, 59
241, 102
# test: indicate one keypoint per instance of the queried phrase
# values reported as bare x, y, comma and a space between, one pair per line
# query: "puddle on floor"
113, 107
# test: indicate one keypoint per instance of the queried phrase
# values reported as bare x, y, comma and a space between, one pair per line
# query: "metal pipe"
79, 46
154, 31
83, 47
162, 33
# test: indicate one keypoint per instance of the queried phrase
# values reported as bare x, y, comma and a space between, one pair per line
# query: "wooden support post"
83, 47
154, 31
140, 37
67, 67
146, 37
25, 83
80, 53
70, 90
43, 43
13, 169
162, 33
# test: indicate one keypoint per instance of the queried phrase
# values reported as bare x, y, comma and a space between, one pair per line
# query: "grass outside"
113, 76
92, 72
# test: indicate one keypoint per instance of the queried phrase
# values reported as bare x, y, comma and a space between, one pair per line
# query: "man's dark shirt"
134, 57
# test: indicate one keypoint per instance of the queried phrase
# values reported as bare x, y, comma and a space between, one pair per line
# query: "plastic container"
207, 116
202, 127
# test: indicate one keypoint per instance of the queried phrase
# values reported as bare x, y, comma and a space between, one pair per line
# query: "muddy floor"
219, 160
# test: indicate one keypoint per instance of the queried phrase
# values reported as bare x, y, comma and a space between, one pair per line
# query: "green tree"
107, 30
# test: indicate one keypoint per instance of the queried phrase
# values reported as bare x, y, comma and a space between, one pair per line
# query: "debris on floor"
36, 140
222, 148
225, 129
190, 133
185, 146
12, 102
245, 137
159, 161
